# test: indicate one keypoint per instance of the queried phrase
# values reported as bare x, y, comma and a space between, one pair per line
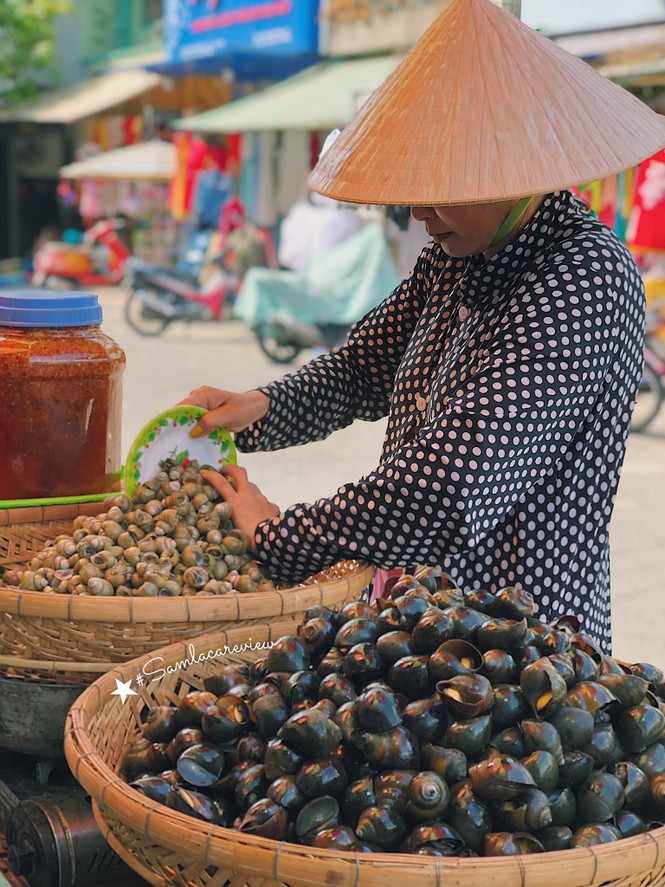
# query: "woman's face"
464, 230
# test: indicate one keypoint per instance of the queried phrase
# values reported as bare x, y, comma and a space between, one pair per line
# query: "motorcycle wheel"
143, 319
278, 352
650, 396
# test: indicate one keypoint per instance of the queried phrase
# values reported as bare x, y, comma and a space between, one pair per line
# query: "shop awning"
135, 59
84, 99
322, 97
146, 162
601, 42
646, 72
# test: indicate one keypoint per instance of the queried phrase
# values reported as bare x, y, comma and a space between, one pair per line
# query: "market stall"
133, 182
247, 714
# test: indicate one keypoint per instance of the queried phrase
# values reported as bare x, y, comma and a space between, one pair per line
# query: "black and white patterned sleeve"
502, 432
353, 382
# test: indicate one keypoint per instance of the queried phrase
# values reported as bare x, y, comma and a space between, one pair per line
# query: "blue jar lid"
44, 308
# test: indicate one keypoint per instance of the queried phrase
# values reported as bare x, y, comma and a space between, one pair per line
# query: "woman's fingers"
219, 404
249, 506
213, 419
220, 483
226, 409
239, 477
213, 400
206, 397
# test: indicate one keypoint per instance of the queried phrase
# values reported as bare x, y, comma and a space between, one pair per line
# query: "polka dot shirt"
508, 386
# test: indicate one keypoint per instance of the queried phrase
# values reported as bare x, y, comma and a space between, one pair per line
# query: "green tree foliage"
27, 41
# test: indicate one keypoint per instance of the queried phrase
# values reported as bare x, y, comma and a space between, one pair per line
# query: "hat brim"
484, 109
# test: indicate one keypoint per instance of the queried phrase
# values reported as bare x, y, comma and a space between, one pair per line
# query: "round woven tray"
67, 636
167, 847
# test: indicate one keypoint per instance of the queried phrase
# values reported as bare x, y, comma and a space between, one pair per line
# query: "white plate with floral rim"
167, 437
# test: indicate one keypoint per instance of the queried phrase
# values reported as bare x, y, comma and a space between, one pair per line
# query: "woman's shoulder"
583, 239
583, 276
583, 254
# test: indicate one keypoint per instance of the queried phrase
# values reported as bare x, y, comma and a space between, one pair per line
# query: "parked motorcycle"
99, 261
199, 288
282, 338
158, 296
290, 311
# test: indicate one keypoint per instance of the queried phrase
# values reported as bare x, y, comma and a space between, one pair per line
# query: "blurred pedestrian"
311, 228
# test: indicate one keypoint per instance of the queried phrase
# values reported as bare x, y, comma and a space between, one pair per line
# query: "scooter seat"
182, 275
63, 246
139, 266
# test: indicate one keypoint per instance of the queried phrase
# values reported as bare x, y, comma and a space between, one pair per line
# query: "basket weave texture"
70, 636
167, 847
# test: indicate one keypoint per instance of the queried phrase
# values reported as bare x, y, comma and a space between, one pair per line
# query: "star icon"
123, 690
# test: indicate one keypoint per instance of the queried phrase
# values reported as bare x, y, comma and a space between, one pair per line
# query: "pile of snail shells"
435, 722
173, 537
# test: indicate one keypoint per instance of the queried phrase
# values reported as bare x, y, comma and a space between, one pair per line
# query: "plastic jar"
60, 397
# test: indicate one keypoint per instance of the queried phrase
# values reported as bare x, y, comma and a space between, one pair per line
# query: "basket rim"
51, 667
229, 847
523, 871
232, 607
39, 514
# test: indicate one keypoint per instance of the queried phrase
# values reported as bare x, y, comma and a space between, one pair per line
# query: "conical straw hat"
483, 109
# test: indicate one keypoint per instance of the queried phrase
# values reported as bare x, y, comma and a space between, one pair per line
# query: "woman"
507, 363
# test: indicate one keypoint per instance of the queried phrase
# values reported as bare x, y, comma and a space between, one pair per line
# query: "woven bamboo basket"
169, 848
74, 638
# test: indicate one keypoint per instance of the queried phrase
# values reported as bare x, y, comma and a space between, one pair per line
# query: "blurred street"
163, 370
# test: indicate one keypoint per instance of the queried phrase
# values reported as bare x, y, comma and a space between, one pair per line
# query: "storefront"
355, 27
281, 129
38, 137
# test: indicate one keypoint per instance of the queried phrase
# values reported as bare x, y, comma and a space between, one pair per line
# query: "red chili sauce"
60, 412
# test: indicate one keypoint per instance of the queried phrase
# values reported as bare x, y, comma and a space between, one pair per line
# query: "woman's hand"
249, 505
227, 409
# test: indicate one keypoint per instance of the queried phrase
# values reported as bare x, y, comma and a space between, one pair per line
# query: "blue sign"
204, 29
